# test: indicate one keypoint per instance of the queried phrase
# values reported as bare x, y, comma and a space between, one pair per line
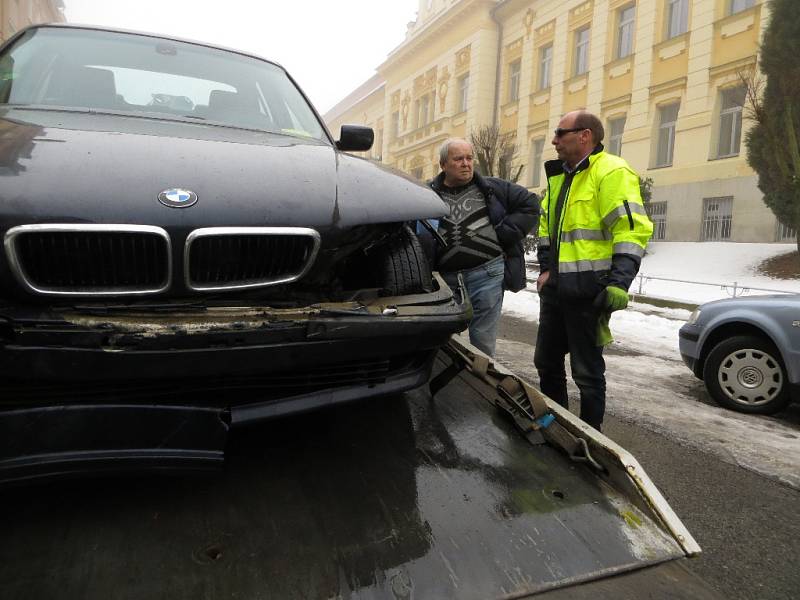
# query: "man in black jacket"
484, 233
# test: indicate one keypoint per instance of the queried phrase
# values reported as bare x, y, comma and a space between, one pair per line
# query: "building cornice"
448, 19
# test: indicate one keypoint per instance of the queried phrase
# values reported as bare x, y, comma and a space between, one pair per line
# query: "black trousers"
571, 327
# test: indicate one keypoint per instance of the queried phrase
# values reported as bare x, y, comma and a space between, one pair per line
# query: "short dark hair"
586, 120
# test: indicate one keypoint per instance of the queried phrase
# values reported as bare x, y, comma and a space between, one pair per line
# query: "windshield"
126, 73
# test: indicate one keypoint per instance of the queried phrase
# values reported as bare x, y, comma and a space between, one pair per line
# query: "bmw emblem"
177, 198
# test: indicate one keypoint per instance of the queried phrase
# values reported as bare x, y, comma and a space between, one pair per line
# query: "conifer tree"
773, 143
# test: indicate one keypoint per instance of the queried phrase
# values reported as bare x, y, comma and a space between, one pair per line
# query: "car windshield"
127, 73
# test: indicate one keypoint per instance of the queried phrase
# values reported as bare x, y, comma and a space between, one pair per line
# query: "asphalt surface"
748, 525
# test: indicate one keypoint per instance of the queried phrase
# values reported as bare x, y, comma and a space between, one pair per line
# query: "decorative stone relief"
425, 83
463, 58
444, 78
395, 100
404, 109
527, 20
545, 31
581, 11
514, 50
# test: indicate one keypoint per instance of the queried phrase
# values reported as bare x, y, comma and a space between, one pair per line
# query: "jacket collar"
556, 167
437, 183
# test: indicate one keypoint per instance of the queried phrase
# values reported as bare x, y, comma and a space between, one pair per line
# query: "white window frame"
677, 18
463, 92
737, 6
514, 76
666, 134
581, 64
614, 136
537, 150
625, 31
731, 145
545, 66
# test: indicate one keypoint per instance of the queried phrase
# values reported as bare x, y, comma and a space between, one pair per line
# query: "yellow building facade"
663, 75
18, 14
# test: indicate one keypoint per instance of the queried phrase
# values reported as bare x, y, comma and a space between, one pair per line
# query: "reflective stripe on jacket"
601, 232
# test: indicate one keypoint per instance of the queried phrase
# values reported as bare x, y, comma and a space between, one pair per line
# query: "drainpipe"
497, 66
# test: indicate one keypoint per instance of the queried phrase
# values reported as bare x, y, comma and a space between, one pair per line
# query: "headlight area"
694, 317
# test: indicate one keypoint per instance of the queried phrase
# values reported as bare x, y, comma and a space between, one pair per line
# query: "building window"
668, 115
785, 233
717, 218
417, 173
537, 147
739, 5
395, 124
677, 17
423, 111
657, 211
627, 17
545, 64
581, 51
730, 121
616, 127
513, 80
463, 92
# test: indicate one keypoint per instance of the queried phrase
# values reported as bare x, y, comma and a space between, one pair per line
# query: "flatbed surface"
400, 497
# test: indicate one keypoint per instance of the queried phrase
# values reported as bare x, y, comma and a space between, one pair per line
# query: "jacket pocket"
581, 213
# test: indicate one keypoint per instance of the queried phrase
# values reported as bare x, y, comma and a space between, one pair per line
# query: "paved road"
744, 517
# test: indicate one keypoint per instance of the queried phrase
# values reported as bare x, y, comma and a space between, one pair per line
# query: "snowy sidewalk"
647, 380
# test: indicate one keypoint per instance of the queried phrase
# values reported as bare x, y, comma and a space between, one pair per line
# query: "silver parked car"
747, 351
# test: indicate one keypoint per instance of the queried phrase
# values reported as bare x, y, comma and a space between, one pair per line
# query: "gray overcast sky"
329, 46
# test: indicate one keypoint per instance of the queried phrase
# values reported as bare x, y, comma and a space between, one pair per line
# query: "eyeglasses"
559, 132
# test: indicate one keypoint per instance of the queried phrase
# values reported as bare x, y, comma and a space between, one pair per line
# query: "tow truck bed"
405, 497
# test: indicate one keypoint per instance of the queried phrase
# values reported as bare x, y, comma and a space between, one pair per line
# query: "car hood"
58, 166
765, 302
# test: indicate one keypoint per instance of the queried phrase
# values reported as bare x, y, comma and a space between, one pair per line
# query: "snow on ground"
719, 263
647, 380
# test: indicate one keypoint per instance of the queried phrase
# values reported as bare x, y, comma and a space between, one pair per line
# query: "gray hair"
444, 149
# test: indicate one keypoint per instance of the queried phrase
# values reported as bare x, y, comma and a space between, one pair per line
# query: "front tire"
745, 373
403, 267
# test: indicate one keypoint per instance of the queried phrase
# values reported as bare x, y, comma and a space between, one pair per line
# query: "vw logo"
177, 198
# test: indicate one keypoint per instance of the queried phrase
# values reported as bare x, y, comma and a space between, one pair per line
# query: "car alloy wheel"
745, 373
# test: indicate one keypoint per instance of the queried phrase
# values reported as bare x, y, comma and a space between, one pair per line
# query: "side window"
581, 62
668, 116
677, 17
616, 127
513, 80
730, 121
625, 31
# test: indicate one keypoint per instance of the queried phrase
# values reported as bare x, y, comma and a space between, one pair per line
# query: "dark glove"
612, 298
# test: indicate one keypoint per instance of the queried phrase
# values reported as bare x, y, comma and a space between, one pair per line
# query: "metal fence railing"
734, 290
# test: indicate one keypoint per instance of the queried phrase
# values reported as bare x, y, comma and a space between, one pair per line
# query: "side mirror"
355, 138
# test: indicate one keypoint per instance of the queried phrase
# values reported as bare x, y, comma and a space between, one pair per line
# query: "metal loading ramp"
403, 497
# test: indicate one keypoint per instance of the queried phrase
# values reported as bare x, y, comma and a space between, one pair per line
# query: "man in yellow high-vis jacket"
593, 230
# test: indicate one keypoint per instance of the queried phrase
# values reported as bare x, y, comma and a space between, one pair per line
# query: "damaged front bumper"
115, 387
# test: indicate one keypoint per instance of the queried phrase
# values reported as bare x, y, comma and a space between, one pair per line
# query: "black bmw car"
185, 248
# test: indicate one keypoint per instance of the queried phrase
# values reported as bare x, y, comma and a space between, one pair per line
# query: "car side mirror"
355, 138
